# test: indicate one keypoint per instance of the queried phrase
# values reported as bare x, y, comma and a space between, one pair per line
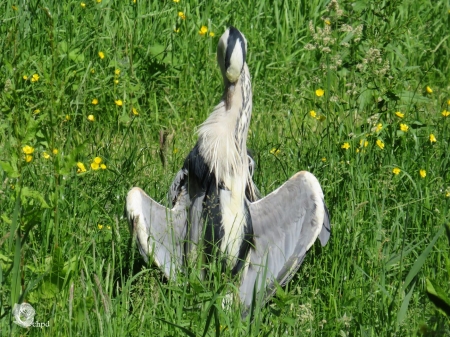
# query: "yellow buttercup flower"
399, 114
45, 155
313, 114
448, 102
95, 166
135, 112
28, 158
116, 81
379, 127
275, 151
98, 1
103, 166
91, 118
101, 55
28, 149
404, 127
118, 102
324, 159
363, 143
445, 113
380, 144
345, 146
117, 71
55, 151
320, 92
95, 101
423, 173
92, 71
100, 226
36, 111
83, 5
429, 90
67, 118
25, 77
203, 30
433, 138
396, 171
81, 167
97, 160
212, 34
35, 78
176, 30
327, 22
176, 1
182, 16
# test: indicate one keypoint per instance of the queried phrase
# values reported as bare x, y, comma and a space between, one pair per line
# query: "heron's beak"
233, 73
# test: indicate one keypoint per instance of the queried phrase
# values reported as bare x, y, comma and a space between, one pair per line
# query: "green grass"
370, 279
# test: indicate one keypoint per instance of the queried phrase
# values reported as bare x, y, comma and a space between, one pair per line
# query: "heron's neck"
223, 136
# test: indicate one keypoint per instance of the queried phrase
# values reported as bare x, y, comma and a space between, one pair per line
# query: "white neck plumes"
223, 136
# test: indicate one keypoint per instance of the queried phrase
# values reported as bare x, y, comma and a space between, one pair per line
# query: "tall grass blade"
405, 304
421, 260
185, 330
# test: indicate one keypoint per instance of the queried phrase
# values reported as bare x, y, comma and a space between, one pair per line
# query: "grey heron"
216, 204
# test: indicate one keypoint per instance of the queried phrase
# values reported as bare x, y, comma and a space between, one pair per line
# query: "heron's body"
215, 202
217, 135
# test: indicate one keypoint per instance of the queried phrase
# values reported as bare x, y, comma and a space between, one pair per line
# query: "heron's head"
231, 53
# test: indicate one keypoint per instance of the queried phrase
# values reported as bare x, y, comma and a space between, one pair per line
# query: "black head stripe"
234, 37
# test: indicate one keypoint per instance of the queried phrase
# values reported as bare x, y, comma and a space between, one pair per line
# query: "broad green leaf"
421, 260
4, 259
76, 56
438, 296
359, 6
413, 97
9, 169
28, 193
289, 321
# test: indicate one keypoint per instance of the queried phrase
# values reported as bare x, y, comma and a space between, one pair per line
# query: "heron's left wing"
160, 231
285, 223
177, 186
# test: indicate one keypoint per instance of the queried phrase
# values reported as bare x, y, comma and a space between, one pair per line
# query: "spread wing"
286, 223
160, 231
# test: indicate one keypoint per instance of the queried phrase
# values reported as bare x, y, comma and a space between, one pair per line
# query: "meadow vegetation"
97, 96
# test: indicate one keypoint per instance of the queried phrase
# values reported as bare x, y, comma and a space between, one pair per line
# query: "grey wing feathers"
159, 231
286, 223
324, 234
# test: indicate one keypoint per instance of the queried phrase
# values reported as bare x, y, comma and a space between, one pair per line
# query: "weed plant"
99, 96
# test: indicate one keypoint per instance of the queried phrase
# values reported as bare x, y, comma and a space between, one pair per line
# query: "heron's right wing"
160, 231
285, 223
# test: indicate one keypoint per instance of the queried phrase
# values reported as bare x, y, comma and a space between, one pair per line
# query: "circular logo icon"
23, 314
